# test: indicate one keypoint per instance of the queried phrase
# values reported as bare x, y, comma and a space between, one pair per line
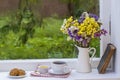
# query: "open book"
105, 60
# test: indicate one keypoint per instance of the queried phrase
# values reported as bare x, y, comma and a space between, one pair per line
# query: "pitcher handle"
93, 54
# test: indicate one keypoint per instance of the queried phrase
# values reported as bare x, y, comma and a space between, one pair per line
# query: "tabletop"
74, 75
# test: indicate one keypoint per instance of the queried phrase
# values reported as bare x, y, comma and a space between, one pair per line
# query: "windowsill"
30, 65
73, 76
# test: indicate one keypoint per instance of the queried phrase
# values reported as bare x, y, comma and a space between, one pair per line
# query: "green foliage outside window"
23, 36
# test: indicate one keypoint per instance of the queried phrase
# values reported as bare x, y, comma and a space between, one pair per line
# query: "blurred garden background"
30, 29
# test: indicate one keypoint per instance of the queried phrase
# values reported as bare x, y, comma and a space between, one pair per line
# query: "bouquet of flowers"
84, 29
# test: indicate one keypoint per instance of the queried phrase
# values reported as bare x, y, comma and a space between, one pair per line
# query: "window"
105, 6
22, 37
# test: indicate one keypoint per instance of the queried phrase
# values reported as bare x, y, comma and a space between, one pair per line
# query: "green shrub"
47, 42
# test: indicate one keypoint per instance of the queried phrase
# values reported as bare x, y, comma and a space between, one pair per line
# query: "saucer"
52, 72
16, 77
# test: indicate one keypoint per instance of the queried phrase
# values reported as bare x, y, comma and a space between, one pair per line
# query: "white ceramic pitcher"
84, 62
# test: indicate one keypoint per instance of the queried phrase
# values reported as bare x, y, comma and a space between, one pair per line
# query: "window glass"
30, 29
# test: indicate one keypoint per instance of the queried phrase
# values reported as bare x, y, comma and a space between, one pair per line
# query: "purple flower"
78, 37
97, 35
75, 31
103, 31
70, 34
94, 16
74, 35
81, 20
84, 43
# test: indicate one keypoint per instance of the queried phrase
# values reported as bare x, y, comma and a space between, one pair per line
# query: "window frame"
105, 16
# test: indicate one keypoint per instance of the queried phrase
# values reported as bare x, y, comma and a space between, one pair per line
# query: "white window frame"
105, 18
115, 30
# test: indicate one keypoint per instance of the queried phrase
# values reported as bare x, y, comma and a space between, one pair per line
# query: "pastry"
17, 72
21, 72
14, 72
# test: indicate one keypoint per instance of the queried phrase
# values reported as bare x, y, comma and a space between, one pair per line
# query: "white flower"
99, 21
63, 28
73, 28
85, 14
68, 38
64, 22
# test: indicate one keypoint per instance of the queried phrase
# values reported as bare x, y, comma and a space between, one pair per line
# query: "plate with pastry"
17, 73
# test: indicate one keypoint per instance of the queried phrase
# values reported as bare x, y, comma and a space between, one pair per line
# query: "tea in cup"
43, 69
60, 67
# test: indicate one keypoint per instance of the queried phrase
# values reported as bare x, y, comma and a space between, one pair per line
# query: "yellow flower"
64, 30
67, 25
87, 18
92, 35
97, 25
88, 33
76, 24
85, 23
83, 28
80, 33
92, 19
82, 24
70, 19
89, 26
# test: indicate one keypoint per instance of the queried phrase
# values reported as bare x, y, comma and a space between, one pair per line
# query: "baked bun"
21, 72
17, 72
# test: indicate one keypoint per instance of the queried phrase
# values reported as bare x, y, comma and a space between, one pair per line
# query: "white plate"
17, 76
52, 72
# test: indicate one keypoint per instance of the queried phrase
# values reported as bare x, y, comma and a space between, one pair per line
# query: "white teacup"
60, 67
43, 69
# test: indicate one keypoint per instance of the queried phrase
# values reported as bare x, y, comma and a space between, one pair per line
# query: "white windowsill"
73, 76
30, 65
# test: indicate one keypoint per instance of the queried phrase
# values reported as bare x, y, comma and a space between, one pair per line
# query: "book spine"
101, 63
107, 61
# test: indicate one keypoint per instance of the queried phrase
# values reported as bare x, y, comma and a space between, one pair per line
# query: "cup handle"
93, 54
66, 69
